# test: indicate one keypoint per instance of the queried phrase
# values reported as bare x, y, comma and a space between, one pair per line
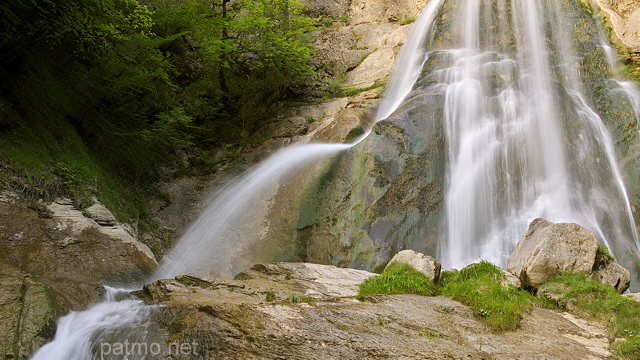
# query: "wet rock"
549, 249
28, 311
421, 262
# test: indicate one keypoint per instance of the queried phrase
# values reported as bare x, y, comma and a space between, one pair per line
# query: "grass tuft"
480, 287
399, 278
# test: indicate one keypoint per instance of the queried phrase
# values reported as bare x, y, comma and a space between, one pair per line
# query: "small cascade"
230, 225
109, 330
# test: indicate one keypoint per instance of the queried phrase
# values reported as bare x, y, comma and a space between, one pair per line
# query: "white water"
511, 155
222, 233
92, 333
229, 227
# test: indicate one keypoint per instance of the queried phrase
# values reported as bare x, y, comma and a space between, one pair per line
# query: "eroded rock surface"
266, 316
28, 311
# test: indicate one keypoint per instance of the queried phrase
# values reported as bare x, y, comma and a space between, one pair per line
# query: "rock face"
266, 316
624, 16
549, 249
421, 262
69, 252
28, 312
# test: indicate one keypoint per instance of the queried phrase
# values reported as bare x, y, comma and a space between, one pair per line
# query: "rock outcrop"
28, 312
607, 271
73, 254
624, 16
421, 262
287, 311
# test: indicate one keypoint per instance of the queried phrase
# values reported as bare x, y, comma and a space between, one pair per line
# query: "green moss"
407, 21
399, 278
604, 251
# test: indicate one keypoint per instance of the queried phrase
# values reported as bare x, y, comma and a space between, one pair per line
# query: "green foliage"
479, 286
270, 296
588, 298
398, 278
604, 251
407, 21
97, 94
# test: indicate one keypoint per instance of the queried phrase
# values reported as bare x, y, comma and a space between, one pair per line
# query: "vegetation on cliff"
95, 96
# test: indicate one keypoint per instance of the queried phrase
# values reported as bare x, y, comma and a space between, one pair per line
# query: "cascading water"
219, 237
228, 228
522, 141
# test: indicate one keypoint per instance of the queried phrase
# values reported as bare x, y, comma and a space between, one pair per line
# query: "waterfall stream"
522, 141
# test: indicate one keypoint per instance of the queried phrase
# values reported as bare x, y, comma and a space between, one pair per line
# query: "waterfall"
523, 138
230, 225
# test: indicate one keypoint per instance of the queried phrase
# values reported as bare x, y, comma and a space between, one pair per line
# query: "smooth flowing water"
230, 225
523, 140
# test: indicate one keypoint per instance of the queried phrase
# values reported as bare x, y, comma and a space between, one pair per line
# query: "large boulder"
73, 254
421, 262
549, 249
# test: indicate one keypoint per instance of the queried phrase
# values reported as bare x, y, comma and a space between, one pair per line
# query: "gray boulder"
607, 271
421, 262
549, 249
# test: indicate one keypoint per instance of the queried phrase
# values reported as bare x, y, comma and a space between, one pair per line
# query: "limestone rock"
549, 249
69, 252
421, 262
511, 280
101, 214
624, 16
616, 276
346, 122
265, 316
28, 311
319, 282
290, 127
633, 296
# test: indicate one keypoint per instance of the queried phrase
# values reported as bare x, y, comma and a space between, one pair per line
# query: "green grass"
398, 278
479, 286
407, 21
590, 299
604, 251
